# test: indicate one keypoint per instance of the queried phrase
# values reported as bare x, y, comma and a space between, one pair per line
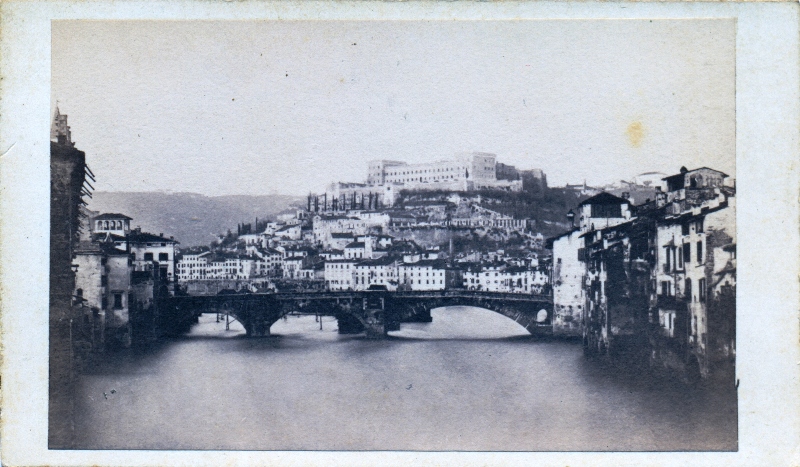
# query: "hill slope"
191, 218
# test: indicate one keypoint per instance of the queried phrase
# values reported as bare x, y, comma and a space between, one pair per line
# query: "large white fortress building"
386, 178
465, 172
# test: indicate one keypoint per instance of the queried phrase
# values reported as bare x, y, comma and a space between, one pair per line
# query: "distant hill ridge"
193, 219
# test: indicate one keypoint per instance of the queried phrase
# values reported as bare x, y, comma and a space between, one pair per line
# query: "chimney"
161, 234
626, 195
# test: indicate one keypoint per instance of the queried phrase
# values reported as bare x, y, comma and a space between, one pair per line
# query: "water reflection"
470, 380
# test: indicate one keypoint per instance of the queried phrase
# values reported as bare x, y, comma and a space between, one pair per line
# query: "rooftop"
685, 171
112, 215
383, 261
604, 198
107, 237
549, 241
429, 263
144, 237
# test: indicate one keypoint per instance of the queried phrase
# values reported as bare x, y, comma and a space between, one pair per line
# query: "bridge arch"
466, 322
535, 316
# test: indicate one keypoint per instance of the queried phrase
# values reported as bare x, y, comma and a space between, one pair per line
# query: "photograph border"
768, 225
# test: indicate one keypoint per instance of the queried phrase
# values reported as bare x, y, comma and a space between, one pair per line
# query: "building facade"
379, 272
659, 276
340, 274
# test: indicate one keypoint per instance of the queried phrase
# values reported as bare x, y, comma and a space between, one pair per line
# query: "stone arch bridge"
372, 312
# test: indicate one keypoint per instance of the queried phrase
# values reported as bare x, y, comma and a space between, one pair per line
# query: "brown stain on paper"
635, 133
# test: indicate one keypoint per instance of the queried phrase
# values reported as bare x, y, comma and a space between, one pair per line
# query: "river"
470, 380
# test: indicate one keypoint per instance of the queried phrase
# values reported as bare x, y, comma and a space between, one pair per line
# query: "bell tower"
59, 130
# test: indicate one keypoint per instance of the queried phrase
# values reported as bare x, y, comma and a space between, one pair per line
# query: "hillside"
548, 208
191, 218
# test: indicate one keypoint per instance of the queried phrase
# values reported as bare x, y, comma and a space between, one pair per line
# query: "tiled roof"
111, 215
144, 237
604, 198
680, 175
107, 236
383, 261
429, 263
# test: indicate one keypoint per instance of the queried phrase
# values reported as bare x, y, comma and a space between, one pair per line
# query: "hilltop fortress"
465, 172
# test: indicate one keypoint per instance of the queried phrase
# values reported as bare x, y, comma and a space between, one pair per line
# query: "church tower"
59, 130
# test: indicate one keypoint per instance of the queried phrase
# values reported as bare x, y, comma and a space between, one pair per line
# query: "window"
700, 252
148, 256
665, 288
117, 301
688, 290
163, 256
699, 226
701, 290
687, 253
685, 229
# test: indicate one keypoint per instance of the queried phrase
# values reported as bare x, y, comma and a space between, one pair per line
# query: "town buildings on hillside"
366, 260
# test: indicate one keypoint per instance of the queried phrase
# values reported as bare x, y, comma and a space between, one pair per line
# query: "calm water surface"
470, 380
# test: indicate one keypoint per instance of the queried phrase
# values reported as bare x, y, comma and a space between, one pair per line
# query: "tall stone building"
68, 185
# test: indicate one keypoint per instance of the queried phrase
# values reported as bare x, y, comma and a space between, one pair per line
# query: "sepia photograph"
393, 235
423, 233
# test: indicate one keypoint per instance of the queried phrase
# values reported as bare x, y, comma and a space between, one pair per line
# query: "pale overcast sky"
287, 107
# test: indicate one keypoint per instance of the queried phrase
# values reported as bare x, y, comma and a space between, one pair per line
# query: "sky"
263, 107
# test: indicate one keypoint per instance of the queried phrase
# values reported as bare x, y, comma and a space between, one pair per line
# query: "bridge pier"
348, 324
257, 319
258, 330
422, 314
375, 331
